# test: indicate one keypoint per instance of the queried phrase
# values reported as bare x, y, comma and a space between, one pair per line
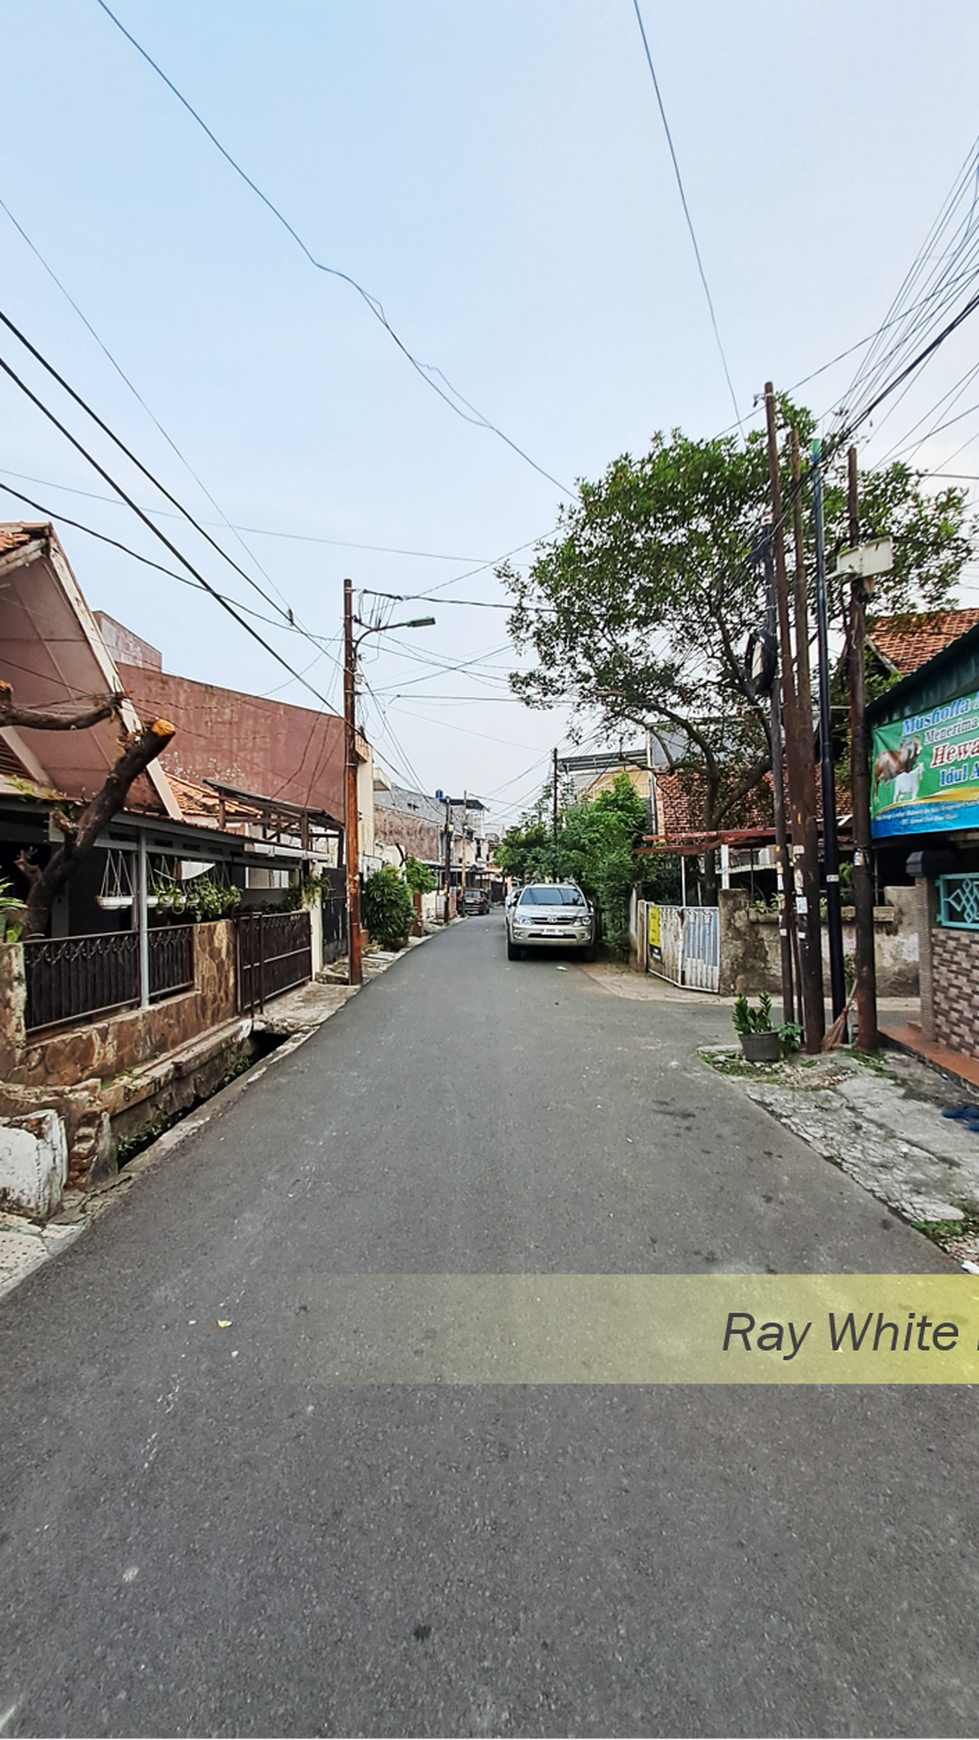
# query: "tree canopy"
638, 606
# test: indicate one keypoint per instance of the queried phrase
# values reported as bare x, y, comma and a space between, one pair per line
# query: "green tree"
388, 910
637, 608
526, 851
419, 879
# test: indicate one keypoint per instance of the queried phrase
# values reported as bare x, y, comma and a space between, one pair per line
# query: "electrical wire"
120, 371
32, 350
147, 561
254, 531
426, 371
686, 213
205, 584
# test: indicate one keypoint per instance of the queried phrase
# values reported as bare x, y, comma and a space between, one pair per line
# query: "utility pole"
355, 973
863, 883
831, 856
806, 859
554, 821
465, 819
781, 847
448, 856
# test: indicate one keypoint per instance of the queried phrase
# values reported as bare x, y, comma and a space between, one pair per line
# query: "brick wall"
955, 988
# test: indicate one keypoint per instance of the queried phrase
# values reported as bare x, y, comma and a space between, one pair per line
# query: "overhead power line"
120, 371
283, 610
427, 371
255, 531
686, 213
198, 576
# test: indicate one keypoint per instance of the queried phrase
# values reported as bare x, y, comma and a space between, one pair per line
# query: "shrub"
388, 910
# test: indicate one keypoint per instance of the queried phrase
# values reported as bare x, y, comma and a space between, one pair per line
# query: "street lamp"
355, 970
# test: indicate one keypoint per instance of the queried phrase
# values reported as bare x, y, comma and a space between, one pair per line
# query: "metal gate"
274, 953
333, 903
684, 945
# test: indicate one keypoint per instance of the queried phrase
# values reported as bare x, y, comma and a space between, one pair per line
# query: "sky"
497, 176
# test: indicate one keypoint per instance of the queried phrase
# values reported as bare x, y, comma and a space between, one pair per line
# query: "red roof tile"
909, 641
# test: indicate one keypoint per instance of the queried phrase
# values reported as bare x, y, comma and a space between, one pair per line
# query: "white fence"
682, 944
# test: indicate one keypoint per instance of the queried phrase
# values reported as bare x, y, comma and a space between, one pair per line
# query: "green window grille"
959, 902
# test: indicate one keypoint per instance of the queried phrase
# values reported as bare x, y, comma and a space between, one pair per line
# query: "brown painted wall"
417, 837
262, 746
955, 989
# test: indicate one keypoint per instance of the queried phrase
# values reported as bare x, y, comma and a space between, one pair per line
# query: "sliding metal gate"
684, 945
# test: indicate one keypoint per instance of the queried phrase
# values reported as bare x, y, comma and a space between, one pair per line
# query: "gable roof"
907, 642
51, 652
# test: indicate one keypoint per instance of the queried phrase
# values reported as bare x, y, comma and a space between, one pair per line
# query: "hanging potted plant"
760, 1041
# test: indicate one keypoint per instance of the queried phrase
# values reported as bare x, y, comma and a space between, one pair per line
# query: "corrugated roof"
907, 642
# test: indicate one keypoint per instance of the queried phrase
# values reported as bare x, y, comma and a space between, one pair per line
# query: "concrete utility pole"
448, 856
465, 818
554, 821
355, 969
863, 881
355, 972
831, 857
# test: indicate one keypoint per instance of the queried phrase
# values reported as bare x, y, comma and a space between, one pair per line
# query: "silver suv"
550, 915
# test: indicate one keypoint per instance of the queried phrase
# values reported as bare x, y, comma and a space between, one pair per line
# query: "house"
128, 1011
925, 812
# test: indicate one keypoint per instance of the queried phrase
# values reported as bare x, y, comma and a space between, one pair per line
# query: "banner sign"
655, 933
924, 776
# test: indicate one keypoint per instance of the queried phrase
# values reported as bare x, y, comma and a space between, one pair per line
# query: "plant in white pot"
760, 1042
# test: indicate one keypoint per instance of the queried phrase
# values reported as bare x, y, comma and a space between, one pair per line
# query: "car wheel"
588, 954
512, 952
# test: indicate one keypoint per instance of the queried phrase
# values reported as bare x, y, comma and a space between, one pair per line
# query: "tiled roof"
906, 642
203, 806
680, 811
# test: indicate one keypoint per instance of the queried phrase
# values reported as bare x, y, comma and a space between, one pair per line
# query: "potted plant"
760, 1041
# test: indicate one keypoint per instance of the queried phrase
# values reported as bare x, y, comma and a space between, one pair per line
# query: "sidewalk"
879, 1120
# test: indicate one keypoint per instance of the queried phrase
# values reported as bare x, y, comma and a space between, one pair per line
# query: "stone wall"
955, 989
92, 1075
751, 950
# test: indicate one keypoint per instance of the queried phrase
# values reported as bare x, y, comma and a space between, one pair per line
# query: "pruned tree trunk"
80, 836
61, 717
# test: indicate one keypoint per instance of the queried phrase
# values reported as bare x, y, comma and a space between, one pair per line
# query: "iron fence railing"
958, 901
72, 977
333, 904
274, 953
171, 960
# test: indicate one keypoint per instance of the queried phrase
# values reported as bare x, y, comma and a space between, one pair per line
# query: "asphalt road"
201, 1533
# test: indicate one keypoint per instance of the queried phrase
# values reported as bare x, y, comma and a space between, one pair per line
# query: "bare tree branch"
65, 716
80, 836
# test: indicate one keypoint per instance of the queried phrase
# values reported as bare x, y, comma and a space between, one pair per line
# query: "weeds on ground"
941, 1230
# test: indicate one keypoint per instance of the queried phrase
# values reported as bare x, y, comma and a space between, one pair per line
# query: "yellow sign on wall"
654, 931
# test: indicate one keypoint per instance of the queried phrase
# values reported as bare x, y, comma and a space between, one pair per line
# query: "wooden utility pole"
355, 973
465, 819
778, 791
863, 879
831, 850
804, 878
806, 859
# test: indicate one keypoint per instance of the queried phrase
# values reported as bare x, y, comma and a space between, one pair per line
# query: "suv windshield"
552, 897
